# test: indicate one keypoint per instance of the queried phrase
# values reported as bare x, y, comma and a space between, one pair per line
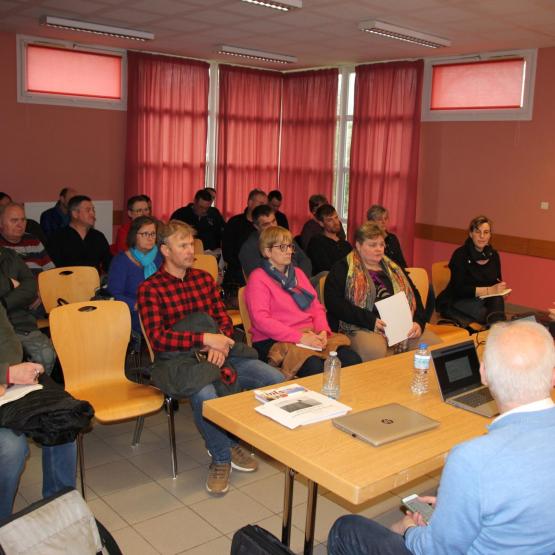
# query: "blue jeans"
252, 373
357, 535
59, 464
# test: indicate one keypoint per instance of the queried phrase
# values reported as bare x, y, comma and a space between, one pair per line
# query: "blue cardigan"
124, 279
496, 493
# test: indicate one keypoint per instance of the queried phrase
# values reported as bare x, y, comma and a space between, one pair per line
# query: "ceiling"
322, 33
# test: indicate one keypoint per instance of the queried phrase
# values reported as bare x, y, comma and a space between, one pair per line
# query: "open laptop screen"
457, 368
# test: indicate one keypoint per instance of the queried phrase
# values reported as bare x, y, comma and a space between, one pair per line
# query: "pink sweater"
275, 315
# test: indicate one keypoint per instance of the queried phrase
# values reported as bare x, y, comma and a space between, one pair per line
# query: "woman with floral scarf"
355, 283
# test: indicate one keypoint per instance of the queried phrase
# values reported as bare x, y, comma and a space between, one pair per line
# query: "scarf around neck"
147, 260
361, 291
476, 255
288, 282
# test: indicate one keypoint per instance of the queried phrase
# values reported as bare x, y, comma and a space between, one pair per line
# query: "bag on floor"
61, 524
254, 540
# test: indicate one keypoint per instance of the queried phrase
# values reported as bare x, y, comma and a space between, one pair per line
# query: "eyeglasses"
284, 247
149, 234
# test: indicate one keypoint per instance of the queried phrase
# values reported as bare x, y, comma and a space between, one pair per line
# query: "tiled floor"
131, 492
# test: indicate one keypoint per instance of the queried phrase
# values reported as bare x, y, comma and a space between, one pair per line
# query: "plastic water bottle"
419, 383
332, 376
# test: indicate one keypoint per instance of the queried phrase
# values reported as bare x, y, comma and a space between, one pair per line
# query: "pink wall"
501, 169
44, 148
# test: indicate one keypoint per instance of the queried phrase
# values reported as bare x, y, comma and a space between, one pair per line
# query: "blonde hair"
174, 227
368, 230
273, 236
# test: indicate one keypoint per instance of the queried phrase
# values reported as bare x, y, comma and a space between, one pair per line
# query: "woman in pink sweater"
283, 305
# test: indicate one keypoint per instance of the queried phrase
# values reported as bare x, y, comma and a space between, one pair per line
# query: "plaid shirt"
164, 300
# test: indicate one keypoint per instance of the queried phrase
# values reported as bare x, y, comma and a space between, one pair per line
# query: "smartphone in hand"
412, 503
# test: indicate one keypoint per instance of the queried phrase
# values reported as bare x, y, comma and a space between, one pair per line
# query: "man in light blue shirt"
496, 491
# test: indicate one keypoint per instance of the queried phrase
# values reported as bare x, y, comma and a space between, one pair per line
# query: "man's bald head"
518, 364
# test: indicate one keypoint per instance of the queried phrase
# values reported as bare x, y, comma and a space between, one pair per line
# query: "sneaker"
242, 460
217, 481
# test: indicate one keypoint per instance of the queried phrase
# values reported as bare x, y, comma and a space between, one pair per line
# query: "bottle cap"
333, 353
423, 346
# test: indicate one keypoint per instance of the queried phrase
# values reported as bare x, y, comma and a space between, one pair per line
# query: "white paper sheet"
395, 312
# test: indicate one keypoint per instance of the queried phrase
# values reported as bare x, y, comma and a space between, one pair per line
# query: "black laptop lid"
457, 368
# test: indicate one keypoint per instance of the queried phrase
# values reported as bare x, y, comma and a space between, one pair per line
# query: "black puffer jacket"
50, 416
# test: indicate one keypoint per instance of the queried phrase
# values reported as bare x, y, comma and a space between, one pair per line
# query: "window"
345, 108
487, 87
54, 72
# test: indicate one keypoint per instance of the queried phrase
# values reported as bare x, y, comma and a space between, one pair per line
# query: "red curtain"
248, 135
307, 140
384, 147
167, 111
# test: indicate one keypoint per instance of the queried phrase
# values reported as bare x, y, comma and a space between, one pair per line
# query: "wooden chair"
71, 284
91, 341
199, 247
441, 274
245, 317
419, 277
208, 263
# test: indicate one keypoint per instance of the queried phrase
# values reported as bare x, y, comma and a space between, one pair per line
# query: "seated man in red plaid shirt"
164, 299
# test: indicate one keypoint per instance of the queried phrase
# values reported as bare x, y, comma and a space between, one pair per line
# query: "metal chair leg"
310, 517
138, 431
81, 460
171, 430
287, 506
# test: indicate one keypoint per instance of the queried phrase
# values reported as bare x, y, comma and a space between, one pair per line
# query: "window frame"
76, 101
523, 113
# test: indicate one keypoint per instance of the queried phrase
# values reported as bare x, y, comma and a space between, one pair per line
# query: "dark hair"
75, 201
275, 194
324, 211
136, 224
210, 189
203, 194
316, 200
262, 210
5, 195
255, 193
137, 198
478, 221
63, 192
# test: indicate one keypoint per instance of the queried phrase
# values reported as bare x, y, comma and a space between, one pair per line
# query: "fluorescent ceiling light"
402, 33
283, 5
256, 54
96, 28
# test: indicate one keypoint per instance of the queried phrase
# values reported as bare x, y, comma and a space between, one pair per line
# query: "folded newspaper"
302, 408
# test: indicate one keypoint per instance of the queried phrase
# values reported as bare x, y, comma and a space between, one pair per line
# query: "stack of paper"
302, 408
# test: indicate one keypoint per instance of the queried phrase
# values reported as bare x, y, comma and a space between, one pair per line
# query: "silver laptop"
458, 373
384, 424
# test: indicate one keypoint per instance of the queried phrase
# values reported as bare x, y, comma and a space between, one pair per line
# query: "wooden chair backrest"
91, 341
72, 284
148, 345
320, 290
441, 274
198, 246
419, 277
208, 263
245, 316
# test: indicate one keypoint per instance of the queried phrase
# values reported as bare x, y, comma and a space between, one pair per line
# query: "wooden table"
348, 467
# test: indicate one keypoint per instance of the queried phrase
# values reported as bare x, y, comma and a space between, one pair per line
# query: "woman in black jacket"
356, 282
476, 288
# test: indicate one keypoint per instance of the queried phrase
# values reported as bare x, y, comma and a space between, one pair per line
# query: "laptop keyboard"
476, 398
